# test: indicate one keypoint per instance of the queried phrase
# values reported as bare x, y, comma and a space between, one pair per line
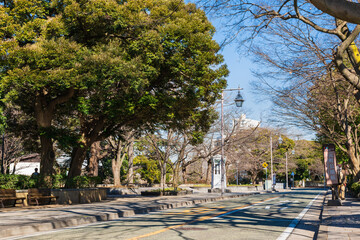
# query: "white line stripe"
295, 221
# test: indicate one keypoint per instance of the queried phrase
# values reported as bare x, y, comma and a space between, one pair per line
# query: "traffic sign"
265, 165
292, 174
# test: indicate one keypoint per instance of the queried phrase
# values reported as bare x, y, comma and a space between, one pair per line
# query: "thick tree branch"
342, 9
350, 76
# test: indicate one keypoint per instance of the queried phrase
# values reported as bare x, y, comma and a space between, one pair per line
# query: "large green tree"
94, 66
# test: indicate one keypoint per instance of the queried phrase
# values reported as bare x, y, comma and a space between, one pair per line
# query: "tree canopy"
86, 68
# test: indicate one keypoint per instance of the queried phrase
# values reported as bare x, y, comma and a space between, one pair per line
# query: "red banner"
330, 165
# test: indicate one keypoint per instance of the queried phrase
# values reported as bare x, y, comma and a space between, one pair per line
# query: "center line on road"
221, 214
245, 207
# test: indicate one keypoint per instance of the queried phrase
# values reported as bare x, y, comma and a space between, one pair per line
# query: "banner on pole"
330, 165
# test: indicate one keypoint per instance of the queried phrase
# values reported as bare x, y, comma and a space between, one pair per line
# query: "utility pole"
287, 178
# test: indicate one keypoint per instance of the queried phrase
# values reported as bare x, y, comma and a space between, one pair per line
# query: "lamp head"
239, 100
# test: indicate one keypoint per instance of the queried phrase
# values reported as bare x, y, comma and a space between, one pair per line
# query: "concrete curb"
323, 229
105, 216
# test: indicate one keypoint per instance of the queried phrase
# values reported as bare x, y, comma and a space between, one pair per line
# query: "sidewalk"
340, 222
23, 221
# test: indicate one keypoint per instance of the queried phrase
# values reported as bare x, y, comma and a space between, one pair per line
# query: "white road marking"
295, 221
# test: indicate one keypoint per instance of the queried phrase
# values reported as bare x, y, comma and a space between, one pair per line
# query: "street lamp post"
271, 163
238, 101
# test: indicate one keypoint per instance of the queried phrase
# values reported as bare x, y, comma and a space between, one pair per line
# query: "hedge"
58, 181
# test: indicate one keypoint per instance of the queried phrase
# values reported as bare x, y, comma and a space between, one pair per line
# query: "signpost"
265, 165
330, 165
331, 172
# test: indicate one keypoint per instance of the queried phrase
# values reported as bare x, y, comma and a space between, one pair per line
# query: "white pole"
222, 145
287, 178
271, 163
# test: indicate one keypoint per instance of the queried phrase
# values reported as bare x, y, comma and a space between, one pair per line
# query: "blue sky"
240, 74
240, 66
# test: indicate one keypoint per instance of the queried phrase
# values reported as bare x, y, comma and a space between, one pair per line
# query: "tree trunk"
184, 171
354, 162
47, 153
176, 175
115, 166
163, 175
93, 165
47, 156
130, 176
208, 172
79, 153
77, 159
44, 114
117, 163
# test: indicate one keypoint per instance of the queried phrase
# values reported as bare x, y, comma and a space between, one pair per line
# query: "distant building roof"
33, 157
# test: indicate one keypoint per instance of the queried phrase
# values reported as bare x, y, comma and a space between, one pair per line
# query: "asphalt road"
265, 216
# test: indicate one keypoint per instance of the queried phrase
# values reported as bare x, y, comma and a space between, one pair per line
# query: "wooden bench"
9, 196
40, 196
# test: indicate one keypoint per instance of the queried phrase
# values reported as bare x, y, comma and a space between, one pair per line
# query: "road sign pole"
266, 173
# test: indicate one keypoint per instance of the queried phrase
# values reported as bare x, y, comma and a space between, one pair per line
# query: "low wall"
314, 184
85, 195
230, 189
72, 196
245, 188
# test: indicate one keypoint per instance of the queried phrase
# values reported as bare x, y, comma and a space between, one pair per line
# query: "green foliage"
148, 169
58, 181
17, 182
302, 170
105, 170
107, 63
84, 182
285, 146
355, 188
25, 182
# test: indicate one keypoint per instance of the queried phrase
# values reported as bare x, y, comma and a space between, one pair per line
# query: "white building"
244, 122
26, 165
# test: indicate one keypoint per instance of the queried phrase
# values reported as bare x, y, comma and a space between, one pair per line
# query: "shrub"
17, 182
84, 182
355, 188
57, 181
